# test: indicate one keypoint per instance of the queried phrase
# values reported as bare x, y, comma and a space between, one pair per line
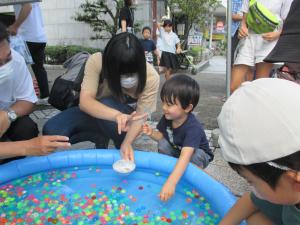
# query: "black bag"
66, 88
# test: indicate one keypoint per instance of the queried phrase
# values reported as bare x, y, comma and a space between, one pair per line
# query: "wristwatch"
12, 116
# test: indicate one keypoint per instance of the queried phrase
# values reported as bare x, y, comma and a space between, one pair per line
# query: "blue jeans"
199, 157
79, 126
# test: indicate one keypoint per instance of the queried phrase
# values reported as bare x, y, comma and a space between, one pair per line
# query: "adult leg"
37, 51
164, 147
168, 73
238, 76
24, 128
200, 158
76, 125
110, 127
263, 70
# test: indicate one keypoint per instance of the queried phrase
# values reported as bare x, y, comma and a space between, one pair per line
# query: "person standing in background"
126, 18
29, 24
237, 17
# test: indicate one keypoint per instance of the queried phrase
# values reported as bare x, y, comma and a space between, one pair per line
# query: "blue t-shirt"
149, 47
189, 134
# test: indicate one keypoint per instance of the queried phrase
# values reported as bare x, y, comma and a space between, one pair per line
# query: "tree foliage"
193, 12
101, 15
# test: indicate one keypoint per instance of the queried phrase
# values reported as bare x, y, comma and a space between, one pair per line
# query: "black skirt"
169, 60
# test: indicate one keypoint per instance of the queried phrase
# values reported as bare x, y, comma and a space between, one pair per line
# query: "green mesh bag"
260, 19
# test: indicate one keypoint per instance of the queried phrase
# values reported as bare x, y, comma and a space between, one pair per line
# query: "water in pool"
98, 195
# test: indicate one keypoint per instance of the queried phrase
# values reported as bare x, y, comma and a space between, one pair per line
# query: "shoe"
43, 101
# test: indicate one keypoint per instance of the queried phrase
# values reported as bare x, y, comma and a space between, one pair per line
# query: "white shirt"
19, 86
168, 41
280, 8
32, 29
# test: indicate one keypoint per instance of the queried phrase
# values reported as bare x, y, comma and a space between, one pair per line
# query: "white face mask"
5, 71
129, 81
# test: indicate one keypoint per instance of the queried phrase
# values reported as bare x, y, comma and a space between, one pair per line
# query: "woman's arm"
242, 210
89, 104
93, 107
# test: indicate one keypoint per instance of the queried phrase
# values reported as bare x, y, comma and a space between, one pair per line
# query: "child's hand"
271, 36
167, 191
243, 31
146, 129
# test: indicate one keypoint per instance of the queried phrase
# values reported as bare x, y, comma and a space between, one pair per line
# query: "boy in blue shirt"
179, 133
149, 46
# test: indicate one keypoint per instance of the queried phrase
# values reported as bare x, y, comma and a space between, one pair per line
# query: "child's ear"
189, 108
295, 176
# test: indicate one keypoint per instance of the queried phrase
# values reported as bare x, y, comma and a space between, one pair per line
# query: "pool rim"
215, 193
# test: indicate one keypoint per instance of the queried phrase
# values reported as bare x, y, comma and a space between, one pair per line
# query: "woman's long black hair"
124, 54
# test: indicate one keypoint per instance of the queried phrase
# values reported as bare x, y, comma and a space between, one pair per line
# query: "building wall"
62, 29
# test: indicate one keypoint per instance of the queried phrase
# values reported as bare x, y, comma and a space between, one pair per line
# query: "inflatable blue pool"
80, 187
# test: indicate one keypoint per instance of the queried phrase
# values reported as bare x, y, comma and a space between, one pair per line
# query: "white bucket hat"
260, 122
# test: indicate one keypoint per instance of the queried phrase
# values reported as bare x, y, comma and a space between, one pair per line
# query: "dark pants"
37, 51
79, 126
234, 43
24, 128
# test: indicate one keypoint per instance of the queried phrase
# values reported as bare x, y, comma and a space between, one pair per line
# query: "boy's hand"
167, 191
146, 129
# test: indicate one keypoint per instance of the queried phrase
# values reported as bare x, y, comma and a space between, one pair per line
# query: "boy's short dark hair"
167, 23
146, 28
270, 174
183, 88
4, 35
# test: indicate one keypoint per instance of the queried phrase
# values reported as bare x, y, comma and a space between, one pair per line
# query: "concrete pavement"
212, 85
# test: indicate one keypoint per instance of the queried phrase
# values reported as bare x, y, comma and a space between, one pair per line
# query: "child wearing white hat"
260, 138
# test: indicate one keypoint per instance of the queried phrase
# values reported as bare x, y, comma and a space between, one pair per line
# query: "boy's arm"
242, 210
169, 187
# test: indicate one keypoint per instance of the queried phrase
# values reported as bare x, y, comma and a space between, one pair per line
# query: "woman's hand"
146, 129
271, 36
167, 191
123, 120
127, 151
